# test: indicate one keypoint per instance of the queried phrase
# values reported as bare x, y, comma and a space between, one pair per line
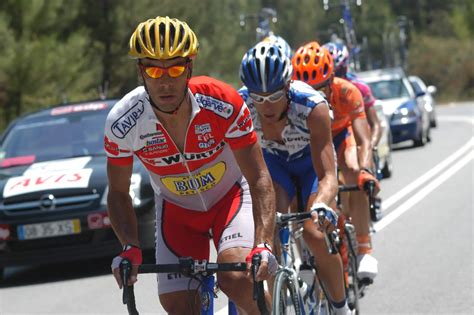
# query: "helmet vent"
162, 32
306, 59
305, 76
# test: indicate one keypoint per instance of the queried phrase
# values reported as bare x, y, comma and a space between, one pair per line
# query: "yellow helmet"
163, 38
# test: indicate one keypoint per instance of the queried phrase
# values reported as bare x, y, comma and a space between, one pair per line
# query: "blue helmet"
265, 68
340, 55
281, 43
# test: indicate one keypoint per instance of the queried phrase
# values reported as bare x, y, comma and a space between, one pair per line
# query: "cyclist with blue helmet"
293, 124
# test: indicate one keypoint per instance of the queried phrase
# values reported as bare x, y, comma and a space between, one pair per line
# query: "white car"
426, 93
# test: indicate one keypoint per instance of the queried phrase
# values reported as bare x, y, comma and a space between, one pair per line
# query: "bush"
446, 63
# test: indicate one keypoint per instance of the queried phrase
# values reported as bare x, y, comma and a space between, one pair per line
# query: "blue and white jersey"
295, 134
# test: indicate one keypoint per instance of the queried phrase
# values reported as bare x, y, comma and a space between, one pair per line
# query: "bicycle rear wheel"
286, 298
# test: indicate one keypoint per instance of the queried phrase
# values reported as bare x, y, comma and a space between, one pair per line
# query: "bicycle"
355, 287
201, 270
299, 291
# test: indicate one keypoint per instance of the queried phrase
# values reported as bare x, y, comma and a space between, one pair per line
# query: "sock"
364, 244
340, 308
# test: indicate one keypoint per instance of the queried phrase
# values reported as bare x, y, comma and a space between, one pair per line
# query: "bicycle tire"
352, 287
286, 298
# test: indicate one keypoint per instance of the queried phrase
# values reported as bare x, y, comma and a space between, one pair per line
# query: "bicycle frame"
312, 302
207, 296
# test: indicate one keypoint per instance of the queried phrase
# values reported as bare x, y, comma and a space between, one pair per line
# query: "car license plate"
49, 229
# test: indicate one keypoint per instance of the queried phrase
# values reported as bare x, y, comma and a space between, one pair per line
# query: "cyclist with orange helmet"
196, 138
314, 65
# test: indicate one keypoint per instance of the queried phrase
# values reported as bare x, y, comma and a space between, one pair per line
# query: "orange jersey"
347, 104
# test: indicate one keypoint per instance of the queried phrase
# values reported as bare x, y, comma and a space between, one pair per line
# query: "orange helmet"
312, 64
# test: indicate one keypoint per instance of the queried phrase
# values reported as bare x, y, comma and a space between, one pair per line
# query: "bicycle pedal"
365, 281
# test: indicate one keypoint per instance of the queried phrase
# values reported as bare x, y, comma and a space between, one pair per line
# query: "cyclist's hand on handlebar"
326, 223
268, 265
134, 255
364, 178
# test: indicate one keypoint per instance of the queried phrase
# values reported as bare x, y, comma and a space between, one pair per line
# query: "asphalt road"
424, 243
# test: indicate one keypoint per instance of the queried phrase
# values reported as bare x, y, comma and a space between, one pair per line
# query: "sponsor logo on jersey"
178, 157
242, 124
200, 182
112, 147
202, 129
219, 107
154, 149
127, 121
205, 145
155, 141
151, 134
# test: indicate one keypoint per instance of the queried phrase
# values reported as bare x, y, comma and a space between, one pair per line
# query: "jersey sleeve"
118, 151
240, 132
355, 102
367, 95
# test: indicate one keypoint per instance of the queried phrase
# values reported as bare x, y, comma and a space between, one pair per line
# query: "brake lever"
125, 271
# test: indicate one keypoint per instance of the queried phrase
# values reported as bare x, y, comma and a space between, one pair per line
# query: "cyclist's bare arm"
253, 167
322, 153
375, 126
362, 137
119, 204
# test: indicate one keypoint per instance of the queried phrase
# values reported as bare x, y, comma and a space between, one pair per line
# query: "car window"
56, 136
416, 87
388, 89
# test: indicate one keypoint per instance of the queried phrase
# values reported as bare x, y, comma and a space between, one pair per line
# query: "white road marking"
427, 176
407, 205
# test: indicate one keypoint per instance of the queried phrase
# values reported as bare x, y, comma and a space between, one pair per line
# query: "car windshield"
388, 89
54, 137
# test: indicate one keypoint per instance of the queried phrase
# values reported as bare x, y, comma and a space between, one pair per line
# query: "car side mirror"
431, 89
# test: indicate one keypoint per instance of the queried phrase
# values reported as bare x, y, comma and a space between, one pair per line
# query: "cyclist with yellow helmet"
196, 138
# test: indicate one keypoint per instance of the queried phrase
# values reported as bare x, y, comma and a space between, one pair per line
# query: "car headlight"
404, 112
135, 183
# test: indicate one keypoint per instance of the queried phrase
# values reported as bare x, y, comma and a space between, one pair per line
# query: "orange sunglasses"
156, 72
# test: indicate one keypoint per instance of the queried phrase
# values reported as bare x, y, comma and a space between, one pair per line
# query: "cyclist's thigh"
233, 224
348, 161
279, 170
180, 232
307, 180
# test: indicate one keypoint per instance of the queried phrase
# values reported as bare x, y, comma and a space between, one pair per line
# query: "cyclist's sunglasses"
156, 72
272, 98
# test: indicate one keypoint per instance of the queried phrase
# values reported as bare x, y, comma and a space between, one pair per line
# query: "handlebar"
369, 188
128, 295
187, 266
331, 238
258, 291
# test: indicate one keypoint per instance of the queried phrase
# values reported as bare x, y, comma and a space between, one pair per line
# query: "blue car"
402, 105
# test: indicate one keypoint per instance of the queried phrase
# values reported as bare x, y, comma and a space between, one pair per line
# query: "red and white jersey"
206, 170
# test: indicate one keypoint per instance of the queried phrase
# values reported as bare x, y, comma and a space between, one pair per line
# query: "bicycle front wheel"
286, 298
